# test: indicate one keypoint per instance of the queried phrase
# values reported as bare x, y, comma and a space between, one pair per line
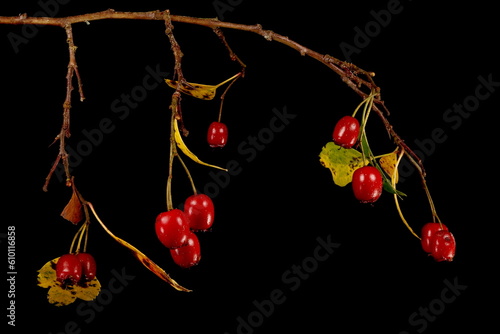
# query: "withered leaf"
73, 210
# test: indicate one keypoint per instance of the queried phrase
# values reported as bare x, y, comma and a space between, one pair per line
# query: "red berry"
172, 228
367, 184
199, 209
189, 254
428, 232
444, 246
88, 266
346, 132
217, 134
68, 269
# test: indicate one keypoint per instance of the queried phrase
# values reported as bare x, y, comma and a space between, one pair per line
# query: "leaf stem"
170, 205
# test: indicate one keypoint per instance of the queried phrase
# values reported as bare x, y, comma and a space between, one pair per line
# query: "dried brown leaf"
73, 210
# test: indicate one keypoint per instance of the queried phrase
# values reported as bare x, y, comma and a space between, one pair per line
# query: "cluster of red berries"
217, 134
175, 229
438, 242
75, 268
367, 181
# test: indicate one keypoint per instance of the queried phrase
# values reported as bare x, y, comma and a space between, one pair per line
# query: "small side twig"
232, 54
65, 129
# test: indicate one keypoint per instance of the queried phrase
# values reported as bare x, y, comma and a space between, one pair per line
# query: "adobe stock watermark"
291, 280
87, 311
223, 6
419, 320
121, 107
363, 36
248, 151
453, 118
48, 8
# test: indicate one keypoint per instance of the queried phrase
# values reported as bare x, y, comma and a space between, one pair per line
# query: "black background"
269, 216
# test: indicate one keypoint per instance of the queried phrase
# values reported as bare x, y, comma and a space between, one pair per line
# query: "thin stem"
187, 172
170, 204
431, 203
232, 55
222, 97
84, 231
367, 104
86, 237
396, 200
79, 233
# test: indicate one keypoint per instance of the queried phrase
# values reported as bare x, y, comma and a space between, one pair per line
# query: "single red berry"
346, 132
428, 232
172, 228
199, 209
367, 184
88, 266
68, 269
217, 134
444, 246
189, 254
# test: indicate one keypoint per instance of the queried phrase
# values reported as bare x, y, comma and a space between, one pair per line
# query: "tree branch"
355, 77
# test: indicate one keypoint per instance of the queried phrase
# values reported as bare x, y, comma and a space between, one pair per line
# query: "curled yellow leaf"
185, 149
146, 261
388, 163
199, 91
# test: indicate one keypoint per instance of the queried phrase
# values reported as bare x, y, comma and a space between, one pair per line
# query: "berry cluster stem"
396, 199
170, 204
83, 230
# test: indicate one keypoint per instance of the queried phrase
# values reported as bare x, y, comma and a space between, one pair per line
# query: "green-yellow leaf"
342, 162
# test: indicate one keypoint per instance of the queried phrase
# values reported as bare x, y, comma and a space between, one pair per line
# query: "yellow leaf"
342, 162
200, 91
61, 297
388, 162
89, 290
64, 294
47, 274
185, 149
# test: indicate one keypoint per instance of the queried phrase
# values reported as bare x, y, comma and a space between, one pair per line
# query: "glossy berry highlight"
88, 266
199, 209
438, 242
428, 232
172, 228
68, 269
217, 134
443, 246
188, 255
367, 184
346, 132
